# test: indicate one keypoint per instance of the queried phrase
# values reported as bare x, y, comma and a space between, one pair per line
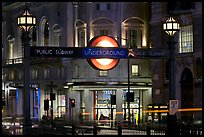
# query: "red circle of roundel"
98, 63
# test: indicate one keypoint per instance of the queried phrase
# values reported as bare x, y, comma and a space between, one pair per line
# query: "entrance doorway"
105, 111
187, 94
104, 107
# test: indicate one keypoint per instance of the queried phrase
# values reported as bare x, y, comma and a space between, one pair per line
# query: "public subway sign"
147, 53
78, 52
102, 52
41, 51
96, 52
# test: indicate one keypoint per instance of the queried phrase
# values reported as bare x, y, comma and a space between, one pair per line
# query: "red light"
72, 101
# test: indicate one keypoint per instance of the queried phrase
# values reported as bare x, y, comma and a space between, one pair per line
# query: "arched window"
34, 36
167, 69
199, 68
81, 36
103, 26
11, 40
34, 73
57, 35
46, 73
133, 32
46, 34
187, 93
60, 72
180, 6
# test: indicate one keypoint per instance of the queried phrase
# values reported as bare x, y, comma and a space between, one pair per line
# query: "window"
81, 38
11, 45
135, 70
34, 73
46, 34
103, 26
186, 39
108, 6
132, 33
180, 6
57, 35
81, 34
60, 72
46, 73
103, 6
76, 71
167, 64
97, 6
20, 75
11, 41
134, 37
103, 32
34, 36
11, 75
198, 68
103, 73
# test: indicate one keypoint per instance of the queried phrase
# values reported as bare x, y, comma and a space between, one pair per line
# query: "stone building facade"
73, 24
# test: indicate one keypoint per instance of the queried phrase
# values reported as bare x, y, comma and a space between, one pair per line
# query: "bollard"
95, 128
119, 128
73, 129
148, 128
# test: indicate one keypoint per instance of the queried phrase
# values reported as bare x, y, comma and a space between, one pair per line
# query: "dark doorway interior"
186, 94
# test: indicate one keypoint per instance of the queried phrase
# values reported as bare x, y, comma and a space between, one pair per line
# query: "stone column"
42, 98
19, 102
119, 102
67, 113
89, 107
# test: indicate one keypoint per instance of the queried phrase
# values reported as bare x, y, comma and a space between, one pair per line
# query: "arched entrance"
186, 82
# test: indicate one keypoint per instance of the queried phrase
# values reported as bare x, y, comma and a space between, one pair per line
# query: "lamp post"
26, 22
128, 84
128, 97
171, 27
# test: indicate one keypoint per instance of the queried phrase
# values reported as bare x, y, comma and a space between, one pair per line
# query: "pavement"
80, 130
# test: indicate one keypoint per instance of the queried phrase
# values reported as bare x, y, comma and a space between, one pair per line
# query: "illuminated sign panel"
40, 51
78, 52
104, 52
105, 63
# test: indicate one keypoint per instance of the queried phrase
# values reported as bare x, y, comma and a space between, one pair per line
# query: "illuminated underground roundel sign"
103, 63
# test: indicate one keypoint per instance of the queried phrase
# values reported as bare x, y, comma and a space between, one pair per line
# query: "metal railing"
61, 128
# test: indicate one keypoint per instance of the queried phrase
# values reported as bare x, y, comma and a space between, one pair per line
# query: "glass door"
104, 110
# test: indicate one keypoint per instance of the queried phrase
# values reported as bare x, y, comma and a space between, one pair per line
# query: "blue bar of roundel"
108, 52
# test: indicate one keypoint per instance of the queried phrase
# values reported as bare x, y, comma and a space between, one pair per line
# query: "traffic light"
113, 99
130, 96
72, 101
52, 96
46, 104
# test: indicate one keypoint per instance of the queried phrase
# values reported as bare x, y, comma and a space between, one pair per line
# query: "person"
81, 116
102, 119
149, 120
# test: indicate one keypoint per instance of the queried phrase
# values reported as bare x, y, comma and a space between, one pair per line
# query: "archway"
186, 83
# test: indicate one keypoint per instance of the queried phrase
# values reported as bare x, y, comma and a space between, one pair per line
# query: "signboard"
96, 52
147, 53
173, 107
79, 52
105, 52
70, 52
104, 43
